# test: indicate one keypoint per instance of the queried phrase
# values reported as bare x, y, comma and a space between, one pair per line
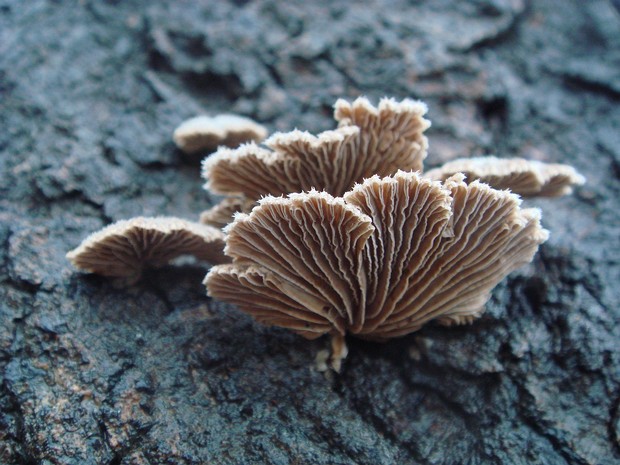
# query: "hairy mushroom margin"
391, 255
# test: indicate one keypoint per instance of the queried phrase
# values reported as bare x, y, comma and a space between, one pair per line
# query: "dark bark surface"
90, 92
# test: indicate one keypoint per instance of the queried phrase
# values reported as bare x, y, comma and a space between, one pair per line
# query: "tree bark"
90, 93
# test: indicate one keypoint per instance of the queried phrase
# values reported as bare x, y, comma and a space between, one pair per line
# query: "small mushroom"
222, 213
391, 255
391, 134
528, 178
124, 248
299, 161
208, 132
368, 141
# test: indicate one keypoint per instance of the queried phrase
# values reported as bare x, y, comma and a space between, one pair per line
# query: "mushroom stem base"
339, 351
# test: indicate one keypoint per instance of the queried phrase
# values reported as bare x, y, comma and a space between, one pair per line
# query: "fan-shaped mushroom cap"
307, 249
207, 132
369, 141
486, 237
393, 132
299, 161
391, 255
528, 178
264, 295
122, 249
222, 213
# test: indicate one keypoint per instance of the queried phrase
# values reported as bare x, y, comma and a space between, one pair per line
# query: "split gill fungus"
369, 141
123, 249
528, 178
343, 232
390, 255
208, 132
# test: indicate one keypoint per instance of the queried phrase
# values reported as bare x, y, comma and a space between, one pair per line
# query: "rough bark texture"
90, 92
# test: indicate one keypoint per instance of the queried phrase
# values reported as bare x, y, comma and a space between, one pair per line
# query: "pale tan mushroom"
528, 178
391, 135
222, 213
458, 261
208, 132
393, 254
124, 248
299, 161
369, 141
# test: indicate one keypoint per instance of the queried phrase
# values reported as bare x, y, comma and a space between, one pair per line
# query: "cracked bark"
158, 373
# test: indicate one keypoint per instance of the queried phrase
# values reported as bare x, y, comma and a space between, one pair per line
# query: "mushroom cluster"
343, 233
369, 141
380, 262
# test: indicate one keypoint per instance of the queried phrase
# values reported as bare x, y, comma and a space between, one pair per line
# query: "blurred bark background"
90, 92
